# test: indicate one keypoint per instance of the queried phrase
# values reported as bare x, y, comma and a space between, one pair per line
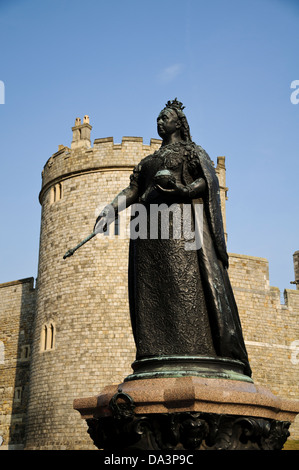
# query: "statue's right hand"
101, 225
104, 219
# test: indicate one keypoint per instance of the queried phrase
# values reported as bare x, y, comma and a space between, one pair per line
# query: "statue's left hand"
175, 190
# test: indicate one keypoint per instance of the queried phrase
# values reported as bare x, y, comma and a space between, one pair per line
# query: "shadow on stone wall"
22, 371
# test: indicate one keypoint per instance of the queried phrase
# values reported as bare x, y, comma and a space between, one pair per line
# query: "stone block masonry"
17, 310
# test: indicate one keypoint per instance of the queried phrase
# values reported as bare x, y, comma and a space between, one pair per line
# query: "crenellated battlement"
104, 155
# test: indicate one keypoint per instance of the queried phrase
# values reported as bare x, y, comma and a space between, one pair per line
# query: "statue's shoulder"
139, 166
207, 165
203, 155
146, 159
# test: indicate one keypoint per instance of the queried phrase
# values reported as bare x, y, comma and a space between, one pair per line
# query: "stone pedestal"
187, 413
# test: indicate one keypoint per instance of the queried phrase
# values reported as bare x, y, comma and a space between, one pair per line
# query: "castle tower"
82, 336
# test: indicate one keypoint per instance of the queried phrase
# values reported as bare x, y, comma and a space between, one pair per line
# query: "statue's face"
167, 122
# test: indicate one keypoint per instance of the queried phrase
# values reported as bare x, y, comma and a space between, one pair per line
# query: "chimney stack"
296, 268
81, 133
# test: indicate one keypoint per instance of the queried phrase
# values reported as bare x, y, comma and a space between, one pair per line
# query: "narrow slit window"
56, 193
48, 337
25, 352
45, 334
52, 336
18, 394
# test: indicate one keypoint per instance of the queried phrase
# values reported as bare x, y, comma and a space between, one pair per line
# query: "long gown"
181, 301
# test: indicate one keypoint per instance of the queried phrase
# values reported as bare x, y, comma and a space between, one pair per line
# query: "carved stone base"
187, 413
187, 431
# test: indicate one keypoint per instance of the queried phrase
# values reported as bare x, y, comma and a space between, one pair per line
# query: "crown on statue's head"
175, 104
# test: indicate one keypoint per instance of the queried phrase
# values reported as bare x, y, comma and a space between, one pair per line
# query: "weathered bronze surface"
181, 301
71, 251
180, 366
188, 431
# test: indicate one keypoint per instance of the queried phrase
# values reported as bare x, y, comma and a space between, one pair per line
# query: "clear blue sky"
230, 62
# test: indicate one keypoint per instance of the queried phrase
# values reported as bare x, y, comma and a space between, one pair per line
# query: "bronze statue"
181, 300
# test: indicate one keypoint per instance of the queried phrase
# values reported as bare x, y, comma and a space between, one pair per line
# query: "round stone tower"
82, 338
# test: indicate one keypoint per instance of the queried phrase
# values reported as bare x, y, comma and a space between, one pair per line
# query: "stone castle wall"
82, 334
17, 310
271, 329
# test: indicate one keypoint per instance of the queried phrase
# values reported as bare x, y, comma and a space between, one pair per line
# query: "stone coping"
253, 258
29, 280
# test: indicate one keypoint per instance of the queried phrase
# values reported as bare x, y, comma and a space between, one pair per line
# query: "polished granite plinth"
187, 413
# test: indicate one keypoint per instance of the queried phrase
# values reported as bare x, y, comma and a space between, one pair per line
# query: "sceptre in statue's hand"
71, 251
101, 225
107, 216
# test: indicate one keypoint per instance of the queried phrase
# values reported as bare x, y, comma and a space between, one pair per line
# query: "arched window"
48, 337
52, 331
56, 193
44, 338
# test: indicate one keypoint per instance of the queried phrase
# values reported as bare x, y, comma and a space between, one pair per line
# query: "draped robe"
181, 301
